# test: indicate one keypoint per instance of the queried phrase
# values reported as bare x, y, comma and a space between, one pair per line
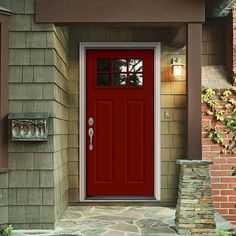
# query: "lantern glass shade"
177, 71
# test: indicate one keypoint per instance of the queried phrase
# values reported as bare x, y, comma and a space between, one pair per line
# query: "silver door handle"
91, 133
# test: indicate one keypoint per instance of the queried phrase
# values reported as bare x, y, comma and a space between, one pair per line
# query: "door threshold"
121, 198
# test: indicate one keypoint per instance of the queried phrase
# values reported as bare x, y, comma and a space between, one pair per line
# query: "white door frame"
156, 46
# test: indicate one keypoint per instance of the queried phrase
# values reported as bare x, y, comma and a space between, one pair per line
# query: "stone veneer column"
195, 210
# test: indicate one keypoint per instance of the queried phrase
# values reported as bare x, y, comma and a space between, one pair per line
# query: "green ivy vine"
222, 110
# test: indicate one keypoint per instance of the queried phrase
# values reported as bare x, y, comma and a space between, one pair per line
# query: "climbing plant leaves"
226, 114
222, 110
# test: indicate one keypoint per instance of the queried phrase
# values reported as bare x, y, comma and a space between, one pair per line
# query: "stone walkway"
116, 221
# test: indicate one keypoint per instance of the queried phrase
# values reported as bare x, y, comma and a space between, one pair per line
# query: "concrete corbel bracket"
29, 126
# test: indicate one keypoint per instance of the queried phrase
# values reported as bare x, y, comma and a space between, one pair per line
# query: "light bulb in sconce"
177, 67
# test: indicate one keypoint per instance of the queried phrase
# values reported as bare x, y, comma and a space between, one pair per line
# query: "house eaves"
218, 8
5, 11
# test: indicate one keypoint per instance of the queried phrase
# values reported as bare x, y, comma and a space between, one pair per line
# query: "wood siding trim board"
194, 147
112, 11
4, 22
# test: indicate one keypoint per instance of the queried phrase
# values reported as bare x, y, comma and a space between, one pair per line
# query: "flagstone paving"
115, 221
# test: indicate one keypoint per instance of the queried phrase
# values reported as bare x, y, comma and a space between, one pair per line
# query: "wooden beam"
104, 11
4, 21
194, 129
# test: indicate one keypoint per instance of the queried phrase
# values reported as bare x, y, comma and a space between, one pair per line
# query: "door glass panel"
103, 80
119, 79
119, 65
135, 65
103, 65
135, 79
119, 72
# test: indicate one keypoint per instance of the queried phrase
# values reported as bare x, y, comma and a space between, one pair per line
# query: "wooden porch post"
194, 127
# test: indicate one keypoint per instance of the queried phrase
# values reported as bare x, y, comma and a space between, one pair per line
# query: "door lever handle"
91, 133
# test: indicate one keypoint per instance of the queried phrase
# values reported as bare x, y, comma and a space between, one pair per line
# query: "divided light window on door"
119, 72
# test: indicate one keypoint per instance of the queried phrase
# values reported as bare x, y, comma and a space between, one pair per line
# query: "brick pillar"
195, 210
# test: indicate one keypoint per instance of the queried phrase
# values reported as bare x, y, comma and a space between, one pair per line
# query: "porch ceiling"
172, 35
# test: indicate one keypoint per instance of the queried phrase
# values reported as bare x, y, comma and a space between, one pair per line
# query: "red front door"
120, 127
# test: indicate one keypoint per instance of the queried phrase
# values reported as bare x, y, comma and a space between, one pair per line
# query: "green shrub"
6, 230
228, 233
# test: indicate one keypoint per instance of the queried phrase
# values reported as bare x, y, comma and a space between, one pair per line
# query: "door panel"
104, 141
120, 99
135, 141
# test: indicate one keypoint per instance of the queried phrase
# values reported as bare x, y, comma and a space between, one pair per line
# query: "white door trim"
82, 109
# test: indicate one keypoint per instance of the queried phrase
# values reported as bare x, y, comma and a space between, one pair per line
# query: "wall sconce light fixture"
177, 67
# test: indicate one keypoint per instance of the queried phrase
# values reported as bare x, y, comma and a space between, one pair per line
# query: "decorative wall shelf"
29, 126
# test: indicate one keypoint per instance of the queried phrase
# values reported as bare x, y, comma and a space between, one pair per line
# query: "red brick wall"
223, 182
234, 41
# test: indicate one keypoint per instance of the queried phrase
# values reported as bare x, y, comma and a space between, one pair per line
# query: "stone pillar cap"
194, 162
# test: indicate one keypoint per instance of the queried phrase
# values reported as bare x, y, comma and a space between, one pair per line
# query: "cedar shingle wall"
3, 198
38, 82
213, 43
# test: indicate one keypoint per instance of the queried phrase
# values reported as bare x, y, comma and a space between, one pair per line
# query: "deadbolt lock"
90, 121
